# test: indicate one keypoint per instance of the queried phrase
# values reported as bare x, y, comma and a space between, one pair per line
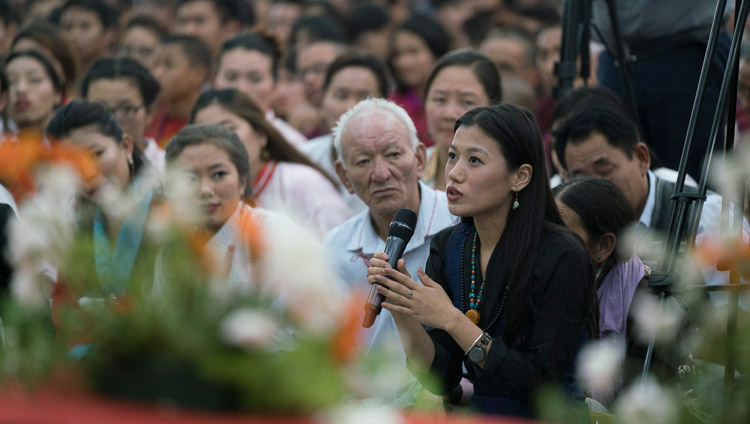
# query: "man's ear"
522, 177
643, 156
341, 172
421, 154
605, 247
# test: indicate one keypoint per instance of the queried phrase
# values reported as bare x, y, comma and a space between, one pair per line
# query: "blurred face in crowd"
454, 91
548, 52
111, 158
254, 141
596, 157
281, 18
123, 99
412, 59
216, 179
376, 42
177, 77
23, 44
140, 43
452, 16
32, 98
507, 55
86, 31
379, 163
289, 94
250, 72
347, 87
200, 18
312, 63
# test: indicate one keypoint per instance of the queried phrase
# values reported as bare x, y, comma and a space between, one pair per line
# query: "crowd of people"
330, 116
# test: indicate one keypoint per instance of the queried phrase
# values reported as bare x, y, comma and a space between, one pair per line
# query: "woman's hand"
427, 302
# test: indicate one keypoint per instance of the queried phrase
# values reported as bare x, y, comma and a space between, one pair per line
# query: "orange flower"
343, 347
19, 158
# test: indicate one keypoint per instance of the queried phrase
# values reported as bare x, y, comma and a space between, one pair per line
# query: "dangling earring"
131, 165
265, 155
515, 202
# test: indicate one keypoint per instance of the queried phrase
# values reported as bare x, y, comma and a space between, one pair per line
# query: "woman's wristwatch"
478, 350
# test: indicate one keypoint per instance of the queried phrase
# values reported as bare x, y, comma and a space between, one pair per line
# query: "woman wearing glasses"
128, 90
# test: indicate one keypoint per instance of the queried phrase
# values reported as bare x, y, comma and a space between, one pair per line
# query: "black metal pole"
622, 62
680, 206
565, 68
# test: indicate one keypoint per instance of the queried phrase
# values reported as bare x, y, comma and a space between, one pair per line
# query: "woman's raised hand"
426, 302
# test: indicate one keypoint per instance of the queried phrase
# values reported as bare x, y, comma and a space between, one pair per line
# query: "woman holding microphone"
507, 292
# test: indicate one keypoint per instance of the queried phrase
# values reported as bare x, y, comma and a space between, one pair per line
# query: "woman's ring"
409, 293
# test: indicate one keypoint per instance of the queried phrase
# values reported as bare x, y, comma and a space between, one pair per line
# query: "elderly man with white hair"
381, 159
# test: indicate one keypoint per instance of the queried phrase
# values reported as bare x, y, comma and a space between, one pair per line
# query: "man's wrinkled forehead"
380, 125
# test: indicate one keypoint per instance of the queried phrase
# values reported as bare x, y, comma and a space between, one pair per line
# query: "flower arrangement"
287, 345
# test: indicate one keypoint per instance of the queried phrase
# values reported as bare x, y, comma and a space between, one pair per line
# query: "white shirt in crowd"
303, 194
350, 246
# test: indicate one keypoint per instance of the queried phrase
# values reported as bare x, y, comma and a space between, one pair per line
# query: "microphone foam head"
403, 224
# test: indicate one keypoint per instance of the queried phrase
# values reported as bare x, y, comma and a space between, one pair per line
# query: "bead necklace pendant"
473, 315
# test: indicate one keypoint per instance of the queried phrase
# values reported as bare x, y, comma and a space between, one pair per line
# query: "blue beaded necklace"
475, 299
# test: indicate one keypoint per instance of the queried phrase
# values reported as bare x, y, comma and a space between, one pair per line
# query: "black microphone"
399, 234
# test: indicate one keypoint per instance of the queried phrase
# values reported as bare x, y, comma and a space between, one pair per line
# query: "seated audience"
460, 81
524, 327
280, 177
250, 64
182, 66
381, 159
128, 90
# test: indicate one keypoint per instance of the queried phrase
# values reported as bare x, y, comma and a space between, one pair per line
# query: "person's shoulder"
558, 241
440, 239
299, 174
339, 236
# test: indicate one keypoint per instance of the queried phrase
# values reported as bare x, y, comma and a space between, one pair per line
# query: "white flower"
249, 328
43, 232
599, 365
646, 402
362, 412
183, 195
26, 287
294, 269
650, 319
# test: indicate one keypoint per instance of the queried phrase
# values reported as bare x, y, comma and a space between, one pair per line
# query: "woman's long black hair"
520, 140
